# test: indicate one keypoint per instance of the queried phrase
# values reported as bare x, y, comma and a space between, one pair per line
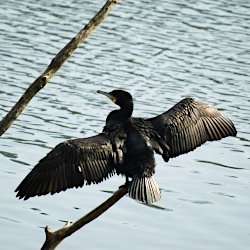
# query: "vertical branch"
55, 64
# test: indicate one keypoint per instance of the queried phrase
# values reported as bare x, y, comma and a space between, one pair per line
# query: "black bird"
126, 146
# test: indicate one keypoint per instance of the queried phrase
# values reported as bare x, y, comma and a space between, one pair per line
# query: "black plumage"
126, 146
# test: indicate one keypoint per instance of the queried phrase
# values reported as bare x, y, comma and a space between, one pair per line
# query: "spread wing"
72, 163
189, 124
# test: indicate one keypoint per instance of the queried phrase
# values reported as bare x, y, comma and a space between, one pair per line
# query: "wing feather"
189, 124
70, 164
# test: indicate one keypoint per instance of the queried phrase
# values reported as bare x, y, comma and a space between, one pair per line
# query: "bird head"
119, 97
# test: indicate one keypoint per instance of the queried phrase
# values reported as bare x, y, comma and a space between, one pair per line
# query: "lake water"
161, 52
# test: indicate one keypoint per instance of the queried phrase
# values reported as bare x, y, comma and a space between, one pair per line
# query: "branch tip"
48, 231
68, 223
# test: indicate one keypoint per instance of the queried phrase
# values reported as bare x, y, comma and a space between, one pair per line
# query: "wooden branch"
54, 238
55, 64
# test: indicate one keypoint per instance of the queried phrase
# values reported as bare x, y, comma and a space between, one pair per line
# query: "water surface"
160, 52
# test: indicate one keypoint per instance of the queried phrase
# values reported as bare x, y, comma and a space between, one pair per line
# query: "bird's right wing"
72, 163
189, 124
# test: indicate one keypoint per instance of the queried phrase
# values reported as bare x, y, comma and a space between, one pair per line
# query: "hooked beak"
110, 96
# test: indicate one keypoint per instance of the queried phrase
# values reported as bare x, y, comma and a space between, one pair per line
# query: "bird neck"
127, 110
120, 115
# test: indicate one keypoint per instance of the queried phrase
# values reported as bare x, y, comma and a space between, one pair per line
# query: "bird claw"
126, 184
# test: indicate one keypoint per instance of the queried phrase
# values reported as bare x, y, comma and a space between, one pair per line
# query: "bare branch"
55, 64
54, 238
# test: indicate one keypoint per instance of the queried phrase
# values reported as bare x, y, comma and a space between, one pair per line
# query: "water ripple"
161, 53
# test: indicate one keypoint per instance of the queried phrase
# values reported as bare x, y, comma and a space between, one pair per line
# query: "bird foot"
127, 182
124, 185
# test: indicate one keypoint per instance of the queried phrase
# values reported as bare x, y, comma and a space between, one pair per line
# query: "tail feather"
144, 189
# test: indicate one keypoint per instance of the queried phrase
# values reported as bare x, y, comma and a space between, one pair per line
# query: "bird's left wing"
72, 163
189, 124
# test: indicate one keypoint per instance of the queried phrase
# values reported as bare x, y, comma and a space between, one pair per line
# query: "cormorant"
126, 146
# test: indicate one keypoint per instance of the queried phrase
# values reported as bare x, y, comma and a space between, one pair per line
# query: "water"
160, 52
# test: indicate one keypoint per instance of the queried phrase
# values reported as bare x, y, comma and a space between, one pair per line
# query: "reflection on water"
38, 210
218, 164
160, 53
200, 202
